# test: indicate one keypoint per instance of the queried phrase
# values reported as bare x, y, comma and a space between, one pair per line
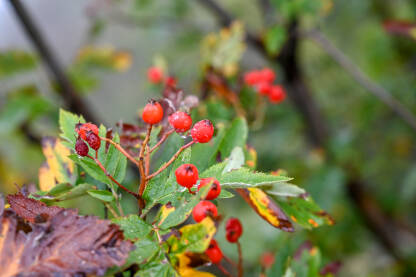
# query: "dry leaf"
66, 244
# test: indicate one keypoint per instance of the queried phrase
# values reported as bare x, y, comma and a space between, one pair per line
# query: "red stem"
240, 260
164, 137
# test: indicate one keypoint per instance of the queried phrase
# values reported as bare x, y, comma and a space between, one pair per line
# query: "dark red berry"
152, 113
214, 252
204, 209
181, 121
154, 75
267, 75
264, 88
93, 140
171, 82
202, 131
186, 175
83, 128
215, 187
81, 148
277, 94
233, 229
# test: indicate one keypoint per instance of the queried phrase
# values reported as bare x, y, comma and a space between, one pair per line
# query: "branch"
74, 102
360, 77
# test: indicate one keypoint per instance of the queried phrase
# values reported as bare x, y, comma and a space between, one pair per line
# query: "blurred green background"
365, 138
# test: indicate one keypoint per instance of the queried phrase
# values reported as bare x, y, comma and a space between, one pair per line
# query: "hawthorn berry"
267, 75
181, 121
202, 131
93, 140
215, 187
154, 75
264, 88
171, 82
277, 94
186, 175
83, 128
252, 77
152, 112
204, 209
81, 148
233, 229
214, 252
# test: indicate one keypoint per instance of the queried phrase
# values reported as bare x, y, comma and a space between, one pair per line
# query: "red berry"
204, 209
264, 88
267, 75
152, 112
277, 94
215, 187
81, 148
93, 140
171, 82
202, 131
252, 77
213, 252
154, 75
186, 175
181, 121
233, 229
83, 128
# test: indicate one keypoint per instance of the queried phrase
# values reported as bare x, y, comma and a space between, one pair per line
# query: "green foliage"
274, 39
133, 227
103, 195
15, 61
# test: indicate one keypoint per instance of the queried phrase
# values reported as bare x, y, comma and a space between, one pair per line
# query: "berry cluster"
86, 132
262, 81
155, 75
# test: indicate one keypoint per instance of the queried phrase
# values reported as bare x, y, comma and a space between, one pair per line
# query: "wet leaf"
185, 266
66, 244
58, 168
133, 226
103, 195
265, 207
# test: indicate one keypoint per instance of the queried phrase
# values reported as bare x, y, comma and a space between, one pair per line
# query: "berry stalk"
240, 259
162, 140
122, 150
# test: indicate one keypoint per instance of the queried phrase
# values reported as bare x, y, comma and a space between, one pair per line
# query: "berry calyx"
152, 112
215, 189
154, 75
233, 230
93, 140
202, 131
186, 175
277, 94
81, 148
214, 252
180, 121
204, 209
83, 128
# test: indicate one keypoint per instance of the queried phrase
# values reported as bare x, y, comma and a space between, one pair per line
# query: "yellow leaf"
165, 211
58, 168
185, 269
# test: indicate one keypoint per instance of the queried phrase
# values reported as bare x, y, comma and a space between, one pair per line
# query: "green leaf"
235, 161
103, 195
133, 227
15, 61
91, 168
225, 194
145, 250
157, 269
285, 190
275, 39
235, 136
183, 208
67, 122
304, 211
115, 162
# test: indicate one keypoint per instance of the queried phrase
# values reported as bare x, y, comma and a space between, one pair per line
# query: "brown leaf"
65, 245
31, 209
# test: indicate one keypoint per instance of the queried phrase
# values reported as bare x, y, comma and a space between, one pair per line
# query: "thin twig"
141, 161
113, 212
164, 137
223, 270
360, 77
122, 150
240, 260
231, 262
111, 177
170, 161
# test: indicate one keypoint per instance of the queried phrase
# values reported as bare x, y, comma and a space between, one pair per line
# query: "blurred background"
346, 132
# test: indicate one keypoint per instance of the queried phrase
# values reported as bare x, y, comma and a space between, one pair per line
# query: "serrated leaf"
91, 168
145, 249
115, 162
186, 262
265, 207
58, 168
63, 192
235, 161
225, 194
236, 136
157, 269
304, 211
67, 122
193, 237
103, 195
133, 227
285, 190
